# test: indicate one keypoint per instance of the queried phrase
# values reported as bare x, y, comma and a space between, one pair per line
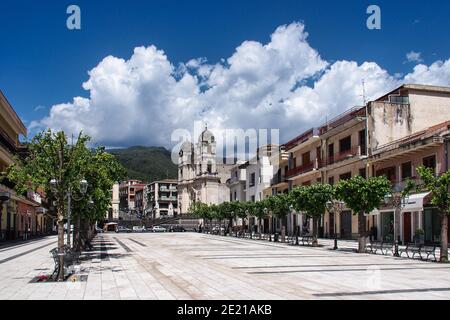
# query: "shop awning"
415, 202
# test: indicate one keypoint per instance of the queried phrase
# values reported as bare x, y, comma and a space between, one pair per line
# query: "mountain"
146, 163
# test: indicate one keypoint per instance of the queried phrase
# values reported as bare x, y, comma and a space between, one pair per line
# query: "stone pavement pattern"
198, 266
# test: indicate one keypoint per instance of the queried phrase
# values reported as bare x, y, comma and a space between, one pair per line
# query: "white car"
159, 229
138, 229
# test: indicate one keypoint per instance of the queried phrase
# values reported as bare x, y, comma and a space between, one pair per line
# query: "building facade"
127, 194
21, 215
389, 136
163, 198
201, 178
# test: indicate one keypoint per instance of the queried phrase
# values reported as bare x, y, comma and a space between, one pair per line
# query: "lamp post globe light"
335, 207
398, 201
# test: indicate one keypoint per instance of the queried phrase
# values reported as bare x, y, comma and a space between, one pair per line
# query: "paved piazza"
198, 266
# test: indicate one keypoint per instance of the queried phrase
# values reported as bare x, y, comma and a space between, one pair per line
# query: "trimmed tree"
50, 156
261, 212
312, 200
438, 186
363, 196
279, 205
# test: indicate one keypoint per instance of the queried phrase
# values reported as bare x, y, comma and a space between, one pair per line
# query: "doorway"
407, 227
346, 225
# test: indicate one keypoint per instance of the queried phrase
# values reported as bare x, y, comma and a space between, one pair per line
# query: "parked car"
121, 229
177, 228
159, 229
139, 229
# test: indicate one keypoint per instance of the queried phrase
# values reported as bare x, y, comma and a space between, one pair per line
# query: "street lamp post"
83, 189
398, 202
335, 207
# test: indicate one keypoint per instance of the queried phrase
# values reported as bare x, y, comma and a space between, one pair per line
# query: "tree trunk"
444, 238
61, 247
361, 232
76, 234
260, 229
283, 230
315, 231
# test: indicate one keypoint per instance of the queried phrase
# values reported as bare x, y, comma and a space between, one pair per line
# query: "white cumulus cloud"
283, 84
413, 56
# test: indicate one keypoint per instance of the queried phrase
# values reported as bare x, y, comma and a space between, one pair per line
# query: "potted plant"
419, 236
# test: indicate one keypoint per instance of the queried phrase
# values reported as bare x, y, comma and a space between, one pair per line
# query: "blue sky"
42, 63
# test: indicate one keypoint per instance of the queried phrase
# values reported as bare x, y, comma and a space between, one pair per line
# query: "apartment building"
163, 198
398, 161
127, 194
356, 142
21, 215
238, 182
113, 212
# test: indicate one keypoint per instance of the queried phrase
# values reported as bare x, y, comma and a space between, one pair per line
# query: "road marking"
123, 245
139, 243
340, 294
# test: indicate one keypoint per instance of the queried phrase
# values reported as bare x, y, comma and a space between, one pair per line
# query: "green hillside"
146, 163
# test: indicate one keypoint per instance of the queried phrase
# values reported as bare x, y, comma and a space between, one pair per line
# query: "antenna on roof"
364, 91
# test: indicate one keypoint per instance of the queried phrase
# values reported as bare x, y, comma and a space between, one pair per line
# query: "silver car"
159, 229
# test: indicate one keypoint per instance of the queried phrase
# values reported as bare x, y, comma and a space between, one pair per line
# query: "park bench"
306, 240
420, 249
411, 249
429, 251
384, 247
71, 257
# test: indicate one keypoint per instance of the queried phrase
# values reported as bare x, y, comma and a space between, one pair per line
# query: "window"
345, 144
406, 170
331, 181
306, 158
362, 142
399, 99
253, 198
345, 176
331, 150
362, 173
388, 172
430, 162
235, 196
209, 168
252, 179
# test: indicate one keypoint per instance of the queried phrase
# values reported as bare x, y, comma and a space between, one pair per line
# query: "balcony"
164, 198
344, 155
346, 117
301, 139
7, 143
313, 165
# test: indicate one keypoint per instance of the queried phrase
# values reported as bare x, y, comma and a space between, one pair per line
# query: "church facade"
201, 177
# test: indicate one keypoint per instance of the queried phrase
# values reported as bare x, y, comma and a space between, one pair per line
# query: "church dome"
206, 136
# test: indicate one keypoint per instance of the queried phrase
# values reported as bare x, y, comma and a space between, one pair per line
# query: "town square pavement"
200, 266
